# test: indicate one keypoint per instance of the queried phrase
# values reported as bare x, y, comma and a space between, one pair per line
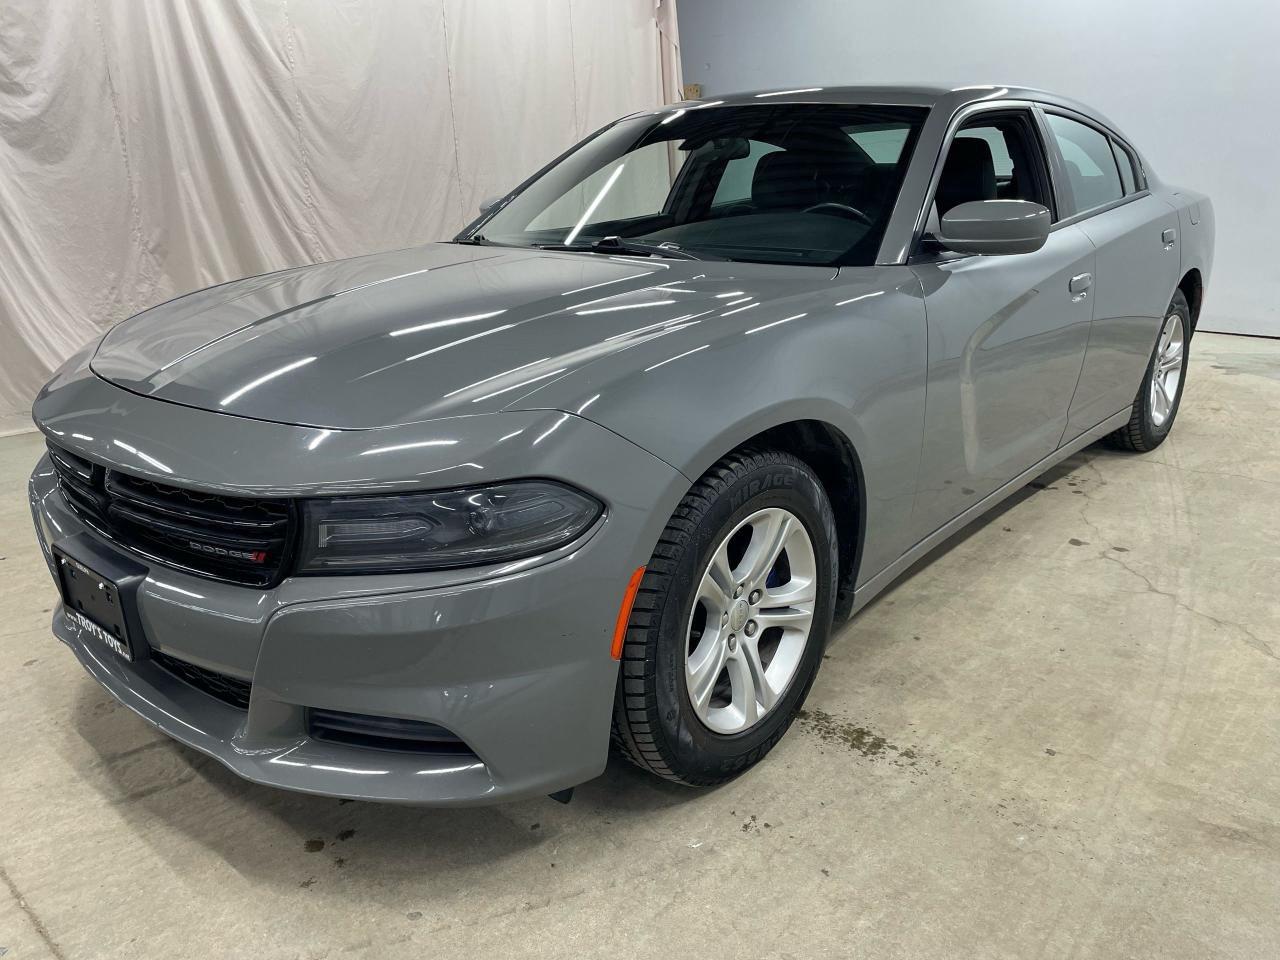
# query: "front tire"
729, 624
1160, 395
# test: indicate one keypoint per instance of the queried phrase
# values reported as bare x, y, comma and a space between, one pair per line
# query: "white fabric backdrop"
150, 147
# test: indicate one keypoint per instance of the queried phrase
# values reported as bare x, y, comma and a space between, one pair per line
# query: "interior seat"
969, 174
786, 181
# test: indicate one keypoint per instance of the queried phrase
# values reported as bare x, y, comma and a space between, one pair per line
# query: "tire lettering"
759, 485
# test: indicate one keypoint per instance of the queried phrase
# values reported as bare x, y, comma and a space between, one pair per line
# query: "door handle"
1169, 237
1081, 283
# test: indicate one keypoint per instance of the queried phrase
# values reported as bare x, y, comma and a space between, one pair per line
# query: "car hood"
432, 331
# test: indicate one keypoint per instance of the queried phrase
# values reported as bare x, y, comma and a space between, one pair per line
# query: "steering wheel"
840, 210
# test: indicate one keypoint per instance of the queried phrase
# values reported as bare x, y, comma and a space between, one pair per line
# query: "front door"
1007, 334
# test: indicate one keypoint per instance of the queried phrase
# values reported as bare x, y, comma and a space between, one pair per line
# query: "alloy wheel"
1166, 374
751, 620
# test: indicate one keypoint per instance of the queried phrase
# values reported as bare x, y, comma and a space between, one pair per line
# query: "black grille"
383, 733
227, 689
237, 539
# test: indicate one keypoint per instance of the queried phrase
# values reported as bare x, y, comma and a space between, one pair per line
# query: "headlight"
452, 528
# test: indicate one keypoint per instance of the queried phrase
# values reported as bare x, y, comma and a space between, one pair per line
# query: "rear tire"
682, 621
1160, 395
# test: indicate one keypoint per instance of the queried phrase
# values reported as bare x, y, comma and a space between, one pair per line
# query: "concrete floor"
1058, 738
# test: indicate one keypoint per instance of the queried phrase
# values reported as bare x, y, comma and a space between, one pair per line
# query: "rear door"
1007, 334
1136, 237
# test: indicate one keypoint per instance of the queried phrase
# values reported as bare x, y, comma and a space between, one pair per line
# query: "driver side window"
994, 156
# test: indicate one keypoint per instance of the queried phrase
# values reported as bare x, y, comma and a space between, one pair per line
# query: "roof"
911, 94
864, 93
949, 98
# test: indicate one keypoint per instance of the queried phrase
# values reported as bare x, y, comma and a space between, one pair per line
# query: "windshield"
783, 183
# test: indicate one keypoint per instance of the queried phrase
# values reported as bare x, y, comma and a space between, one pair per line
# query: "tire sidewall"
1152, 435
697, 749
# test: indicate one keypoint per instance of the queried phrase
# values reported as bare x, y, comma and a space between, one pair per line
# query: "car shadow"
164, 790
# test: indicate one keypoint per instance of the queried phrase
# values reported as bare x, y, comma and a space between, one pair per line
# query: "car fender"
851, 354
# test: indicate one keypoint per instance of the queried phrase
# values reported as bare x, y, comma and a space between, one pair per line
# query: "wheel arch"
1192, 287
832, 456
829, 451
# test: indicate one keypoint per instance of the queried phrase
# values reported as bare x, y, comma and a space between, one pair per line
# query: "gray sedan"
438, 525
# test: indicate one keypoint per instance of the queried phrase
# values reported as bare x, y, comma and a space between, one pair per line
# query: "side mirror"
488, 203
995, 227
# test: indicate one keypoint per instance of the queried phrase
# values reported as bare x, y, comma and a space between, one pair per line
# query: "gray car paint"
514, 657
995, 227
1006, 342
447, 365
1132, 261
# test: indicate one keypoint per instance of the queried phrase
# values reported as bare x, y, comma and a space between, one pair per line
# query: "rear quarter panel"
1196, 228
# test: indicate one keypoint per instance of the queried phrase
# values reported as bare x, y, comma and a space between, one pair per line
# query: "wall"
1194, 85
151, 147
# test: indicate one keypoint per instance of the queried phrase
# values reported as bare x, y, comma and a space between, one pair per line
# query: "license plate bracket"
99, 595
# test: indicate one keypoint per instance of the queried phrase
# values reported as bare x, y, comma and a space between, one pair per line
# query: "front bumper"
514, 661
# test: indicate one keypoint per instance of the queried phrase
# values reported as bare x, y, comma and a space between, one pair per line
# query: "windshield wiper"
477, 240
638, 248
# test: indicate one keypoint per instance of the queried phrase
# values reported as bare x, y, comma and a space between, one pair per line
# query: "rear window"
883, 143
1129, 171
1091, 166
